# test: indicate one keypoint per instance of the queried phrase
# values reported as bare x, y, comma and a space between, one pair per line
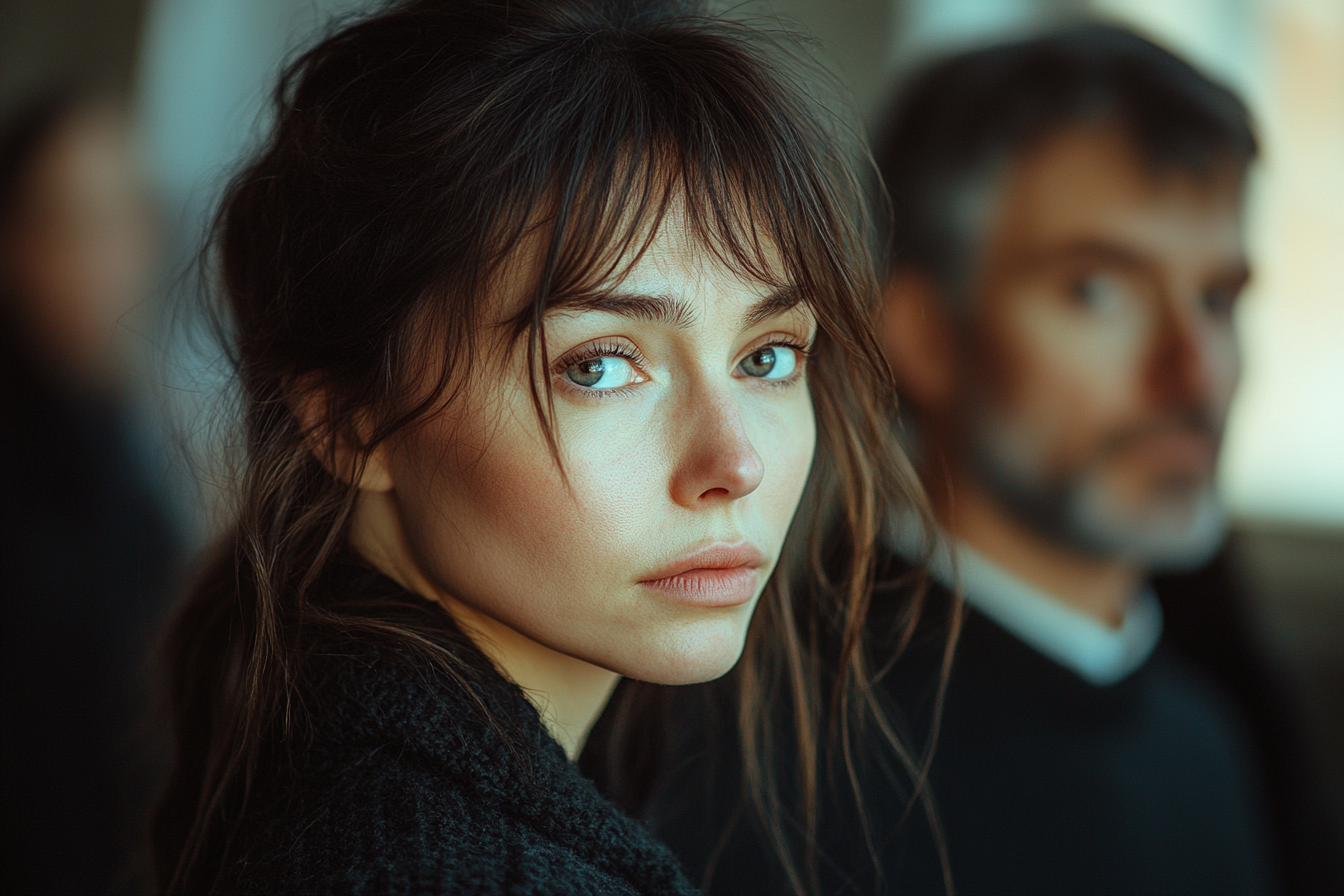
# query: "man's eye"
1219, 301
774, 362
1103, 293
602, 373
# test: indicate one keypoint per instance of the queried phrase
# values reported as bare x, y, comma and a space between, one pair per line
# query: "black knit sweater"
400, 784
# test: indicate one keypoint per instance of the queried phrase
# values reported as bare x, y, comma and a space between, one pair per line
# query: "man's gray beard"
1179, 528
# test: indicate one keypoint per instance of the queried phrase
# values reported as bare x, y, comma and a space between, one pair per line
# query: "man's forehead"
1088, 184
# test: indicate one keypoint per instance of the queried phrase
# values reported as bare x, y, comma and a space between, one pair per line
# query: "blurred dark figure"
87, 551
1066, 257
1206, 623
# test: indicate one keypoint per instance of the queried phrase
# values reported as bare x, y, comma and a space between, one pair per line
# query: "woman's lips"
722, 575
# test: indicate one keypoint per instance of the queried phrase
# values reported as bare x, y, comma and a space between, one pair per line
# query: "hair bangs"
753, 176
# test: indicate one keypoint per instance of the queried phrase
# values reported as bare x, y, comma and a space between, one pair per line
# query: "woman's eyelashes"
602, 368
601, 374
776, 362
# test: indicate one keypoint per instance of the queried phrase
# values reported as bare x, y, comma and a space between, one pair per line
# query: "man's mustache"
1193, 421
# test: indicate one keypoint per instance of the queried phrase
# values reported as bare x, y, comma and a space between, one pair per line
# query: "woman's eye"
774, 362
606, 372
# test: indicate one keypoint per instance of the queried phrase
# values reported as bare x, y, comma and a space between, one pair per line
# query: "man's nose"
1182, 368
718, 462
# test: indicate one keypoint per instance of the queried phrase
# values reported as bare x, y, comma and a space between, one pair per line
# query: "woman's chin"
690, 656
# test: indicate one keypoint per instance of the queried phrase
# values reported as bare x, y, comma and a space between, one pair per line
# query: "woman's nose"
718, 462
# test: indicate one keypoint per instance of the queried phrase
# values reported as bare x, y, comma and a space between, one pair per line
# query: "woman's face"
686, 430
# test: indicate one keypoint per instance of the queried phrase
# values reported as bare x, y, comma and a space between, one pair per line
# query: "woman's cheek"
616, 480
466, 483
800, 464
783, 431
514, 500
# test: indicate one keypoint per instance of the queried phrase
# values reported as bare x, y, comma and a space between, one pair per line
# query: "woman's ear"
366, 469
917, 339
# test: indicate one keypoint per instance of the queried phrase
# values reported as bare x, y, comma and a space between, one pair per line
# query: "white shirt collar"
1097, 653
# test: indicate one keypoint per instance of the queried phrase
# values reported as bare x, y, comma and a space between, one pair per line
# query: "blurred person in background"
87, 548
1066, 257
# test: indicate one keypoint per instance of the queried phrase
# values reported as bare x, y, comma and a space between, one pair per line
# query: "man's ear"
365, 469
916, 336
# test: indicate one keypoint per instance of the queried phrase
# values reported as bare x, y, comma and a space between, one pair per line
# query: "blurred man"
1058, 314
1066, 259
1067, 255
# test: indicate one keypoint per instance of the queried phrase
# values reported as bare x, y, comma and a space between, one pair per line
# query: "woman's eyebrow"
657, 309
773, 305
671, 311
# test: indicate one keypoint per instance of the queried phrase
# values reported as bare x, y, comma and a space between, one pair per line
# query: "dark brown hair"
415, 151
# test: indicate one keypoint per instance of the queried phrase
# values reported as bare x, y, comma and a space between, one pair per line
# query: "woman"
547, 316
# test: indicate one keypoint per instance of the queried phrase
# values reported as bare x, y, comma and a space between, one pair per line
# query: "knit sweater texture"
401, 784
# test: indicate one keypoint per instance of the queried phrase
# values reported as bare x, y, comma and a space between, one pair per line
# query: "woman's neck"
569, 693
